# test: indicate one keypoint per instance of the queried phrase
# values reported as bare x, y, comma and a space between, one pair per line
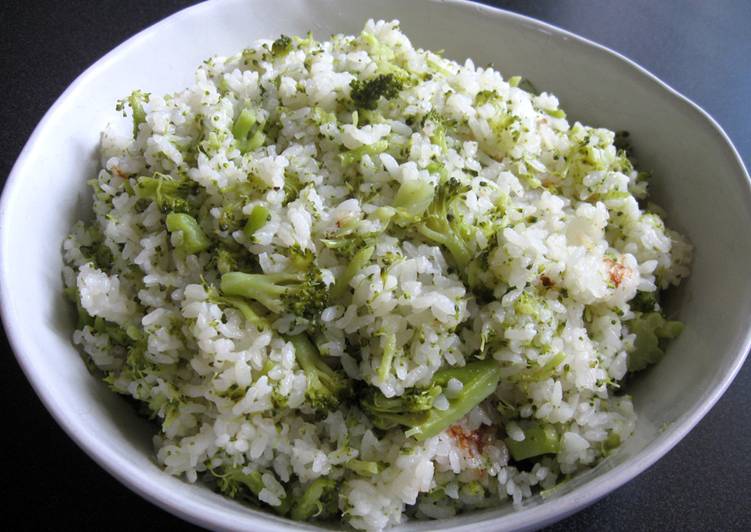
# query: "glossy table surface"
700, 48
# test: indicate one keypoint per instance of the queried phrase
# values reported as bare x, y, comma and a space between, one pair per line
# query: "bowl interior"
697, 179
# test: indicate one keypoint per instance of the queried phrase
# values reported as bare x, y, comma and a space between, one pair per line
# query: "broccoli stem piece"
352, 156
255, 141
440, 232
538, 439
319, 500
301, 293
325, 386
480, 379
414, 197
245, 309
136, 100
241, 129
358, 262
267, 289
243, 123
387, 357
194, 240
363, 468
539, 373
259, 216
415, 409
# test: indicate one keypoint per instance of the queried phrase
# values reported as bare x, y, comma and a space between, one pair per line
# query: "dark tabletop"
701, 48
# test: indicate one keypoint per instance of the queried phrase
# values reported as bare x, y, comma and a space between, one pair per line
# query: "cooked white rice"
561, 241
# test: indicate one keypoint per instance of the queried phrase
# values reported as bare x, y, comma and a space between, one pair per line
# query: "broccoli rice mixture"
353, 280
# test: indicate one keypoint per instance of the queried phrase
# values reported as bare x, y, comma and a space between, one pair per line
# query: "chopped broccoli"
539, 373
523, 83
258, 217
444, 227
232, 482
135, 101
387, 356
242, 128
413, 198
301, 293
225, 260
170, 194
439, 129
292, 187
99, 253
611, 443
358, 262
352, 156
245, 120
326, 387
363, 468
84, 318
409, 409
250, 315
538, 439
528, 304
415, 409
645, 301
652, 333
319, 500
365, 94
282, 46
194, 240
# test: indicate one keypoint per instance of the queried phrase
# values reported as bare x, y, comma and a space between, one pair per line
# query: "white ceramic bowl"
699, 179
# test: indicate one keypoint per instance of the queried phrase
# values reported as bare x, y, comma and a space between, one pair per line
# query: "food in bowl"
356, 279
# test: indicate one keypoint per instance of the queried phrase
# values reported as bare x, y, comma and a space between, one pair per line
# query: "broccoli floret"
645, 301
479, 380
440, 128
282, 46
169, 194
318, 501
365, 94
135, 101
652, 333
326, 387
409, 409
358, 262
232, 482
441, 225
97, 251
300, 293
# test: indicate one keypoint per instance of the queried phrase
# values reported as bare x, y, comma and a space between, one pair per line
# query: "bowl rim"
133, 478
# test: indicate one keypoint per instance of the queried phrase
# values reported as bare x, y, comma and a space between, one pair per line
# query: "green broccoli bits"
194, 240
652, 331
538, 439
